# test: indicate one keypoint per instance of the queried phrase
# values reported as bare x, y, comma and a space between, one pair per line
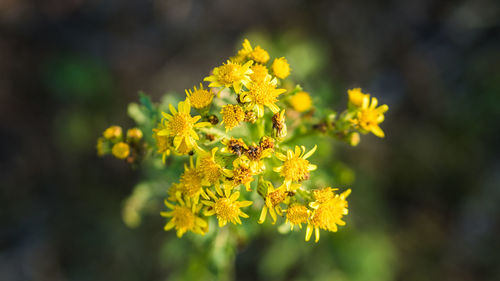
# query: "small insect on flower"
295, 166
328, 210
357, 97
234, 146
262, 93
184, 217
370, 116
231, 74
301, 101
200, 98
232, 116
210, 170
297, 214
121, 150
281, 68
181, 126
225, 206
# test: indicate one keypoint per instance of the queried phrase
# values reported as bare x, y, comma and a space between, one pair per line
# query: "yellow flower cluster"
251, 152
113, 141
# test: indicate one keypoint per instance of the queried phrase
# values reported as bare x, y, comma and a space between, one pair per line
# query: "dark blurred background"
426, 198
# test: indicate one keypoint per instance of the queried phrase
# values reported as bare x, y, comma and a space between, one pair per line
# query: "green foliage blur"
425, 199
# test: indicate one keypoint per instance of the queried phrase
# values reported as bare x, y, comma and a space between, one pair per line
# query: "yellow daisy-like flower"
297, 214
121, 150
184, 217
181, 126
240, 174
134, 134
229, 75
262, 93
255, 154
327, 215
301, 101
295, 166
210, 170
281, 68
113, 132
225, 206
232, 116
260, 72
191, 181
370, 116
173, 190
200, 98
357, 97
272, 202
256, 54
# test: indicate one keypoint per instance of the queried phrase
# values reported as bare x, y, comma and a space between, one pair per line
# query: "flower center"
225, 209
276, 197
201, 98
180, 125
229, 73
262, 93
295, 169
184, 218
210, 170
297, 214
191, 181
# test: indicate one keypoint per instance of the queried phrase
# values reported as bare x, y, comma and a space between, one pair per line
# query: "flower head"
257, 54
225, 206
181, 126
301, 101
281, 68
163, 143
232, 116
327, 215
297, 214
200, 98
370, 116
191, 181
234, 146
272, 200
121, 150
240, 174
231, 74
209, 170
357, 97
134, 134
184, 217
113, 132
295, 166
262, 93
260, 72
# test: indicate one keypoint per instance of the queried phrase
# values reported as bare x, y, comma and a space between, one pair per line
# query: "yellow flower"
327, 215
267, 143
240, 174
260, 72
301, 102
121, 150
272, 202
163, 143
254, 154
113, 132
134, 134
230, 74
257, 54
225, 206
262, 93
200, 98
184, 217
281, 68
295, 166
232, 116
357, 97
181, 126
173, 190
370, 116
209, 170
191, 181
234, 146
297, 214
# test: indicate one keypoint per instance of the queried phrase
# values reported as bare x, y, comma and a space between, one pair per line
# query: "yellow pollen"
232, 115
295, 169
201, 98
191, 182
226, 209
180, 125
297, 214
229, 73
262, 93
323, 195
183, 217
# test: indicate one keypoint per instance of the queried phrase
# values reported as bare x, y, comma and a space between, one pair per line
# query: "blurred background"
425, 202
